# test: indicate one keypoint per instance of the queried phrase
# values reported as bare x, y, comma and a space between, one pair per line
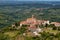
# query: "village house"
33, 29
13, 26
57, 24
34, 21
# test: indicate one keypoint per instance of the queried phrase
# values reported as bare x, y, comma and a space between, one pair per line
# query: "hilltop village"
35, 26
31, 29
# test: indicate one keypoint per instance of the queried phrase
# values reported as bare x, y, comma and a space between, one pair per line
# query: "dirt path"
19, 38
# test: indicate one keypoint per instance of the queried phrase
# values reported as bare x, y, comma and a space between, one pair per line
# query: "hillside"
29, 20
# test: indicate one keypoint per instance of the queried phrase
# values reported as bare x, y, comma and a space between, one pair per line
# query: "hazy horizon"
29, 0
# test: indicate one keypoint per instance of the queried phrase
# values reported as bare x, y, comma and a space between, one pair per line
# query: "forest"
13, 14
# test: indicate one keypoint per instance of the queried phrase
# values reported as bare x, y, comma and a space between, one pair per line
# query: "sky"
29, 0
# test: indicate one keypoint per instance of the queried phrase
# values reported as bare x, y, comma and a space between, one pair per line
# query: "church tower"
33, 16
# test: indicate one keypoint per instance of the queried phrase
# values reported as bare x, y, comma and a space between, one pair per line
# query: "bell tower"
33, 16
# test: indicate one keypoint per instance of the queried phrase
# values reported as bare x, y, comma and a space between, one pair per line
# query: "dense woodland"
13, 14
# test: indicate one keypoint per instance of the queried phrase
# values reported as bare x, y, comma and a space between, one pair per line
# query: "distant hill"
55, 4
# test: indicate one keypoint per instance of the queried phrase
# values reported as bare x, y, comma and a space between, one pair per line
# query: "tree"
4, 37
52, 25
54, 28
46, 25
23, 29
